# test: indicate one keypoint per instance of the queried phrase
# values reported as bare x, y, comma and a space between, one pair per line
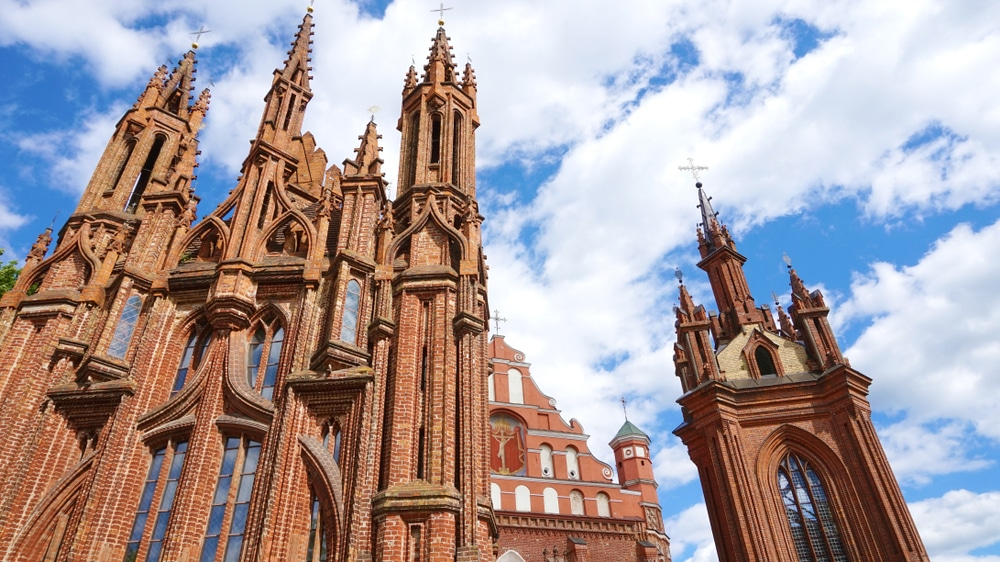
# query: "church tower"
778, 424
430, 324
300, 375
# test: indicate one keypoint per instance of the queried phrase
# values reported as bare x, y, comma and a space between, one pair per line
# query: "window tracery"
807, 507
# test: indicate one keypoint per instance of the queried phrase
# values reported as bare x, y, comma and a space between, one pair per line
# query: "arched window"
435, 138
172, 456
490, 390
515, 386
231, 501
522, 498
192, 356
332, 437
510, 556
495, 496
147, 172
765, 362
572, 463
456, 150
576, 502
603, 504
545, 452
349, 324
808, 509
317, 533
266, 343
550, 499
125, 327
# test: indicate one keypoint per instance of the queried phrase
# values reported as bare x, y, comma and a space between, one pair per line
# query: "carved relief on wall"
506, 445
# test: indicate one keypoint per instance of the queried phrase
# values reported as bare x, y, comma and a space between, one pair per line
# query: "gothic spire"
440, 63
367, 160
175, 95
712, 235
297, 67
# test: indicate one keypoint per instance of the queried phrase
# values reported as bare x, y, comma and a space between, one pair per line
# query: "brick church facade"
305, 372
778, 423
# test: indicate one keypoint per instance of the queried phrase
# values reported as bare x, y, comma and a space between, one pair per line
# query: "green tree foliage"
8, 274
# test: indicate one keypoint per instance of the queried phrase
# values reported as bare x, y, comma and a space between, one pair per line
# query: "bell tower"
430, 329
778, 423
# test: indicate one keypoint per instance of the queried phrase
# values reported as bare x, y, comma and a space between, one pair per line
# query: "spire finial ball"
441, 23
309, 9
698, 185
194, 45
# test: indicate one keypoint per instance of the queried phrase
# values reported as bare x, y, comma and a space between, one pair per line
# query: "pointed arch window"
765, 362
126, 327
147, 172
227, 519
264, 354
352, 302
456, 151
333, 439
436, 138
807, 507
173, 457
194, 352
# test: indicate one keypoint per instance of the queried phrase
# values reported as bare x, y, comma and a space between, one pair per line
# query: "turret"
635, 468
438, 122
809, 315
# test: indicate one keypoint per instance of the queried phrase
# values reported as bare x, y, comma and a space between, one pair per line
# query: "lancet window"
807, 507
194, 352
352, 302
227, 519
160, 489
125, 328
263, 355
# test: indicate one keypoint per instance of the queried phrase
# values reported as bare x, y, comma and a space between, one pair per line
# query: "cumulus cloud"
958, 523
918, 367
691, 535
70, 156
917, 452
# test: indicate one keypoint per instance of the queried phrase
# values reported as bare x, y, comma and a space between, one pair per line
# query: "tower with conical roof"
778, 424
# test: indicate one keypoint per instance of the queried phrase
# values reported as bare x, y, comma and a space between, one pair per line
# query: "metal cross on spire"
497, 319
441, 12
197, 35
624, 408
373, 110
693, 169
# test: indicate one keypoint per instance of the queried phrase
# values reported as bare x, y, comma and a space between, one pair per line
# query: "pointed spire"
297, 67
469, 80
175, 96
367, 160
411, 80
711, 235
440, 64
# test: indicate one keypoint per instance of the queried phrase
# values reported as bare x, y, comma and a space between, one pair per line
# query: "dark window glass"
765, 362
317, 534
814, 531
185, 365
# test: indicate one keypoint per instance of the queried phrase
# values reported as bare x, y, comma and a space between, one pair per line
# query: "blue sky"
860, 139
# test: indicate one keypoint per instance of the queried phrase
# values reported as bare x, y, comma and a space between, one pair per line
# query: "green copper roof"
629, 430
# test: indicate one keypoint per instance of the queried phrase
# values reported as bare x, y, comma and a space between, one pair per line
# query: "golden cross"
692, 168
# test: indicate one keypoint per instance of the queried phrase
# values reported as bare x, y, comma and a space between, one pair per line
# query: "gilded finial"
441, 12
197, 36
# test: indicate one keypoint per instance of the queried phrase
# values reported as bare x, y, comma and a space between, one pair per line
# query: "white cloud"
916, 365
957, 523
917, 453
71, 155
691, 529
